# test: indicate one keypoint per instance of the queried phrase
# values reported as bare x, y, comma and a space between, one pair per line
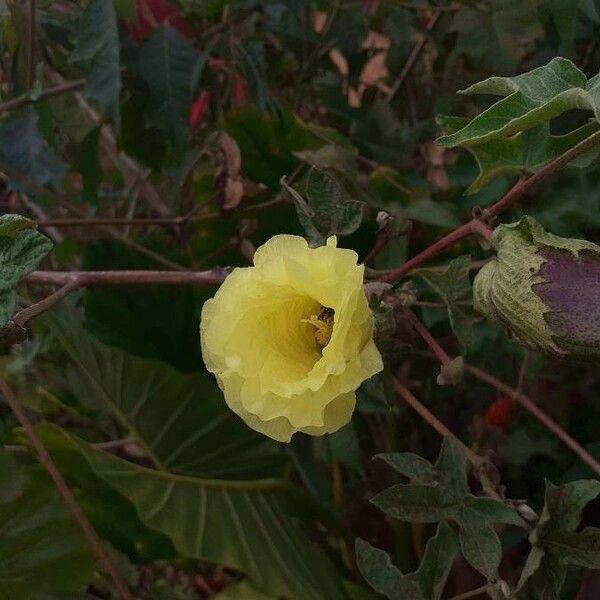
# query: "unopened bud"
544, 288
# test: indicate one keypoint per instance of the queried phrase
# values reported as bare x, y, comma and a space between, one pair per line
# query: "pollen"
323, 324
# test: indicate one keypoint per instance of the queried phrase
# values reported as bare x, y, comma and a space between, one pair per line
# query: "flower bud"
544, 288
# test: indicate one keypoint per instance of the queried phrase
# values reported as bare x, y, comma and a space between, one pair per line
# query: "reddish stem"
433, 344
476, 226
455, 236
542, 417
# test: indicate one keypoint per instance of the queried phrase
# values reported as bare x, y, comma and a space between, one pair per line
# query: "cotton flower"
291, 338
544, 288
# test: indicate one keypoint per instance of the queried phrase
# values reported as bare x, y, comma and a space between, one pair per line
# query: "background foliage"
205, 118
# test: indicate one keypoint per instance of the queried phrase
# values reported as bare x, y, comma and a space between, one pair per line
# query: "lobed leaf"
454, 287
447, 497
555, 542
529, 100
427, 583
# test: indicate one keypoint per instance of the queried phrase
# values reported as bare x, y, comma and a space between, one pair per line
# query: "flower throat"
323, 324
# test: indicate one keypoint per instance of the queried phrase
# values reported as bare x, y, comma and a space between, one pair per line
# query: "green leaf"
413, 466
426, 210
167, 61
244, 589
87, 162
252, 60
524, 152
43, 554
331, 156
447, 497
564, 15
480, 544
12, 478
128, 319
24, 154
121, 524
21, 250
97, 40
180, 420
580, 549
454, 287
555, 542
529, 100
435, 566
499, 37
327, 209
238, 524
427, 583
376, 567
267, 143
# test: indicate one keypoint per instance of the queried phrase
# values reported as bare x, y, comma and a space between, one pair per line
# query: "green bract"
544, 288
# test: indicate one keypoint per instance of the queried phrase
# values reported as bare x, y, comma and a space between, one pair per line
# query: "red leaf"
151, 13
501, 412
240, 91
199, 109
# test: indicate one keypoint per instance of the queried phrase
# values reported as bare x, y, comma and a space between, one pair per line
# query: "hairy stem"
65, 492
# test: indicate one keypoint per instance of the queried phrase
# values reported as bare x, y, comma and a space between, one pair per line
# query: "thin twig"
65, 492
144, 222
542, 417
523, 370
412, 59
514, 194
477, 461
25, 315
85, 278
57, 90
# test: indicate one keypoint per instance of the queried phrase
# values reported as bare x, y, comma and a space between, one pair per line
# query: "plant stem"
455, 236
412, 59
25, 99
65, 492
476, 460
428, 416
85, 278
542, 417
433, 344
25, 315
514, 194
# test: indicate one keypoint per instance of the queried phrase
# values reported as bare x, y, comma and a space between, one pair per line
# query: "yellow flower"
291, 338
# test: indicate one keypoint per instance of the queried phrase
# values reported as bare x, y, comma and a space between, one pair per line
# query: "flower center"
323, 324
